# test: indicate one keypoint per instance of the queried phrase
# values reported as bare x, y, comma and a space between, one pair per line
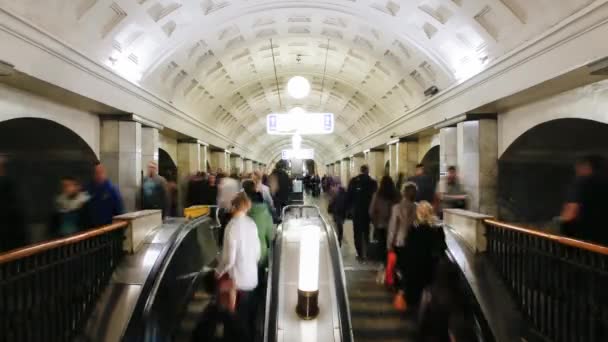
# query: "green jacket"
260, 214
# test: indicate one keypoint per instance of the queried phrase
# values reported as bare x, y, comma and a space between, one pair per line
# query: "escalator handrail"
137, 323
484, 325
340, 283
344, 317
272, 292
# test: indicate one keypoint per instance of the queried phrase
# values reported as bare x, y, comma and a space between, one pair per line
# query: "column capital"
191, 141
131, 117
466, 117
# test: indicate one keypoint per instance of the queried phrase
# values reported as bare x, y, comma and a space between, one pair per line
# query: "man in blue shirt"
105, 201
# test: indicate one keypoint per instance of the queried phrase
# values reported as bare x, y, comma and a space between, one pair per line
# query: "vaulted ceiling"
369, 61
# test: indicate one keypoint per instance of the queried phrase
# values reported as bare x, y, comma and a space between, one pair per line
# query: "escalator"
372, 312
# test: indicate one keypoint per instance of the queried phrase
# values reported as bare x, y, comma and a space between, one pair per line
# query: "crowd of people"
405, 223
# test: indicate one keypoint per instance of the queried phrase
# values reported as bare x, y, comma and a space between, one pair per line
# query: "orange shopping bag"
389, 275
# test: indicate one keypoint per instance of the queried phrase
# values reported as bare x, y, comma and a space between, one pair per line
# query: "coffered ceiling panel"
369, 61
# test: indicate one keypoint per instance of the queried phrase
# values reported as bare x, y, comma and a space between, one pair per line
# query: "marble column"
248, 165
337, 169
375, 161
204, 158
477, 155
345, 171
188, 163
150, 143
393, 150
121, 154
407, 158
236, 165
356, 162
448, 155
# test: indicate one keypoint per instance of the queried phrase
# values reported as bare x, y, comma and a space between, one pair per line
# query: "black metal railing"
561, 284
48, 290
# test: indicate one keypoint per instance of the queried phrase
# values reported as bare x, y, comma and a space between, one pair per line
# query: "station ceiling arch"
213, 58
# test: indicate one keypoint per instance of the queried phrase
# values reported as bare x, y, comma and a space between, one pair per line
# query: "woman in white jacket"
239, 259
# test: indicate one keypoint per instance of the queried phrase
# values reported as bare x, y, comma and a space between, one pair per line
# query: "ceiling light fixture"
296, 111
298, 87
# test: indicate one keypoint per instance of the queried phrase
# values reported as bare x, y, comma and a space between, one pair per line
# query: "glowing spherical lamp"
308, 281
298, 87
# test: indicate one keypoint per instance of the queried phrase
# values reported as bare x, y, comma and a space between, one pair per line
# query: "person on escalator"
425, 247
402, 218
106, 201
337, 207
260, 214
358, 198
72, 213
216, 323
380, 212
239, 260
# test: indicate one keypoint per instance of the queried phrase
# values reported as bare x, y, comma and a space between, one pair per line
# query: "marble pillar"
345, 171
188, 163
204, 158
121, 154
248, 165
477, 155
375, 161
356, 162
393, 150
236, 165
407, 158
150, 143
337, 169
448, 155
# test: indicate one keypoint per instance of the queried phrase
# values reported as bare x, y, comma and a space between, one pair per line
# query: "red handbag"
226, 292
389, 275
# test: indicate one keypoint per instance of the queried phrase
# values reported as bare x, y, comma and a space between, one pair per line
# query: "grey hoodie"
403, 215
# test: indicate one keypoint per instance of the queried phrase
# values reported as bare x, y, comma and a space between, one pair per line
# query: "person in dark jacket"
105, 201
12, 218
425, 246
359, 197
424, 183
283, 186
337, 207
197, 186
210, 196
72, 213
380, 211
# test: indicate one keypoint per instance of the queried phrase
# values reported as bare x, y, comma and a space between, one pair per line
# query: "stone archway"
537, 169
39, 153
431, 163
166, 166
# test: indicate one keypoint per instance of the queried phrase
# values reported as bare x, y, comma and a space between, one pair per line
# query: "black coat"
282, 194
425, 246
361, 189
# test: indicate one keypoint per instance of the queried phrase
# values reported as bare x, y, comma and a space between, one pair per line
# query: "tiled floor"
372, 313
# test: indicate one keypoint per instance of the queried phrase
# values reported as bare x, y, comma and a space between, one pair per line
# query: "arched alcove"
431, 163
40, 152
537, 169
166, 165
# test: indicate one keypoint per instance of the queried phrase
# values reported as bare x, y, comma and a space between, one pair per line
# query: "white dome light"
298, 87
296, 142
296, 111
